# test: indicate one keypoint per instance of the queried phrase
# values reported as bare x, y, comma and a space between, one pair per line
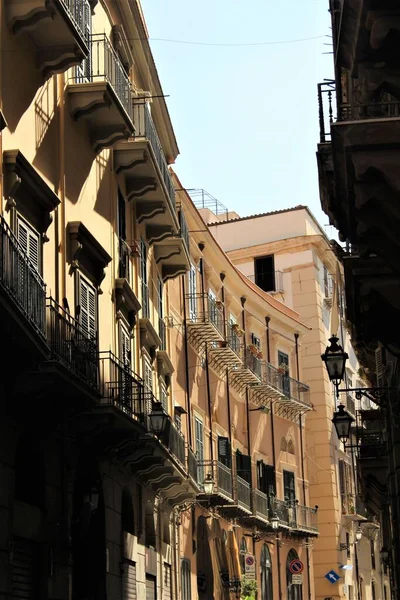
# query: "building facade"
357, 165
287, 254
150, 439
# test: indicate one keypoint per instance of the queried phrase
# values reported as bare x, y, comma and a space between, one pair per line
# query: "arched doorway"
88, 534
205, 578
267, 592
242, 554
294, 591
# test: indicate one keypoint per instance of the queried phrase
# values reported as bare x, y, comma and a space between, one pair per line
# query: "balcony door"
199, 435
192, 275
266, 479
264, 273
143, 278
289, 486
283, 365
125, 357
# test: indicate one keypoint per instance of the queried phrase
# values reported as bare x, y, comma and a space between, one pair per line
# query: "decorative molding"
3, 122
149, 338
164, 364
25, 190
85, 252
136, 187
125, 299
121, 44
149, 210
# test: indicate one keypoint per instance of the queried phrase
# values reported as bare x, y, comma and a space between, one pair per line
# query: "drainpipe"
278, 549
267, 320
228, 398
201, 265
242, 302
296, 339
222, 278
60, 224
209, 407
185, 344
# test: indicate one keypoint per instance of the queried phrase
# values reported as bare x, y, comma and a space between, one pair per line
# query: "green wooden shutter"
87, 302
29, 242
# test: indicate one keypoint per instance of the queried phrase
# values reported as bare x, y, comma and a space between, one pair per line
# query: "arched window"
294, 591
290, 446
266, 574
283, 444
373, 590
127, 516
243, 552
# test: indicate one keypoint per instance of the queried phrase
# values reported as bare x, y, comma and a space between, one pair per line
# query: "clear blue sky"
246, 118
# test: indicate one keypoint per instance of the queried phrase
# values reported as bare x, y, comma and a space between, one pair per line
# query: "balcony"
101, 93
260, 506
373, 458
228, 353
243, 492
73, 350
268, 282
205, 325
145, 176
172, 252
222, 477
285, 512
192, 466
58, 30
120, 387
22, 295
306, 519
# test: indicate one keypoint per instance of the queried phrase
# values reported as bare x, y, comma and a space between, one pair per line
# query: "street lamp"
158, 418
335, 358
384, 555
208, 484
274, 521
342, 421
359, 534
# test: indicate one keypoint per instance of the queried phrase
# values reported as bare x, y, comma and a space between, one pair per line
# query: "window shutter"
87, 302
29, 242
125, 343
270, 479
224, 451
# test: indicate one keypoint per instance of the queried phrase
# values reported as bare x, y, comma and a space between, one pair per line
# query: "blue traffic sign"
332, 576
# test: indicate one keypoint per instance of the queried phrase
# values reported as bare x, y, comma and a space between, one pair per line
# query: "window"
283, 444
199, 434
148, 384
124, 344
185, 579
124, 251
373, 590
256, 341
29, 241
372, 546
283, 366
242, 554
127, 516
266, 480
385, 593
224, 451
290, 446
345, 484
267, 592
163, 394
289, 488
87, 307
160, 310
264, 273
143, 278
192, 293
243, 466
348, 553
83, 70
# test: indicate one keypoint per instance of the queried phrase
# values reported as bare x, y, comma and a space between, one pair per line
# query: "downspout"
209, 407
242, 302
228, 398
296, 339
222, 277
185, 344
60, 211
201, 266
278, 549
267, 320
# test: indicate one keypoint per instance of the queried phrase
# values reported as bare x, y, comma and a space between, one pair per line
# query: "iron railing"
371, 434
280, 380
203, 308
243, 493
145, 128
254, 364
162, 332
120, 386
221, 475
184, 230
306, 518
261, 504
285, 511
224, 478
79, 11
233, 339
326, 96
20, 279
192, 465
103, 64
124, 263
350, 404
202, 199
269, 282
174, 440
145, 300
71, 344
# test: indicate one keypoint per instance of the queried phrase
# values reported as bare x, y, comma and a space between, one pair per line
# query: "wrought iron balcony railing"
306, 518
326, 98
79, 11
120, 386
205, 309
269, 282
254, 364
261, 504
103, 64
124, 263
174, 440
221, 476
20, 279
371, 434
71, 344
233, 339
184, 230
285, 511
162, 332
243, 493
145, 300
145, 128
192, 466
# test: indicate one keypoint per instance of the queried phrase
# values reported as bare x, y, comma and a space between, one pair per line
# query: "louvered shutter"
125, 344
270, 479
87, 301
224, 451
150, 588
245, 468
129, 581
29, 242
167, 582
185, 579
199, 432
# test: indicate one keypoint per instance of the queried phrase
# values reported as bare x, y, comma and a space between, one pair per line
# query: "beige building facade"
153, 410
288, 254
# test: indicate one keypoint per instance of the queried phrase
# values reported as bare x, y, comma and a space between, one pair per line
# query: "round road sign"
250, 560
296, 566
